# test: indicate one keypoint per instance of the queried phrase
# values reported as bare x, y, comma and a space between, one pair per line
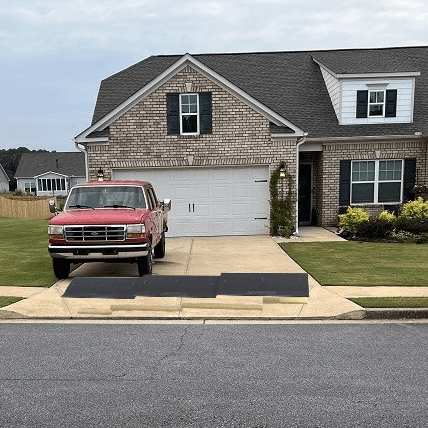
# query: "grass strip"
362, 263
8, 300
391, 302
24, 256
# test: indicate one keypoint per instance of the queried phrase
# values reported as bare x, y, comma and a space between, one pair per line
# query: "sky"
54, 53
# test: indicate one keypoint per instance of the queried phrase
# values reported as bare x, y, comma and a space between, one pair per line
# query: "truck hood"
100, 216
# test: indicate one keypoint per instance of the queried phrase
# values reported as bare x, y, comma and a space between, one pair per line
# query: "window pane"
63, 183
390, 165
53, 184
389, 192
363, 166
189, 124
372, 97
193, 108
382, 175
379, 97
185, 99
362, 193
193, 99
371, 176
397, 175
356, 176
49, 183
356, 166
376, 110
185, 108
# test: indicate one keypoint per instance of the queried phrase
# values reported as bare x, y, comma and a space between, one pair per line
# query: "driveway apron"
193, 256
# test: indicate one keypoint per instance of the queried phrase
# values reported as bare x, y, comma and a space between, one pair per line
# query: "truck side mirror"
166, 205
52, 207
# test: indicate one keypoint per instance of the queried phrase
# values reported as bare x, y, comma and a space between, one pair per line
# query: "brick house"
208, 131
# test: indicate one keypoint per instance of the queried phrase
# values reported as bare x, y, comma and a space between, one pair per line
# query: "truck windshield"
106, 197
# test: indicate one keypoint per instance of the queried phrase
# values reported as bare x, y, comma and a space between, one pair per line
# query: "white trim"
4, 172
52, 172
189, 114
175, 68
376, 182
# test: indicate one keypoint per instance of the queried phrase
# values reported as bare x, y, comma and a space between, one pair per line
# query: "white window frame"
377, 181
189, 114
46, 185
383, 104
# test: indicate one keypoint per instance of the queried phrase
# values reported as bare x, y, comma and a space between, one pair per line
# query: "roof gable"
103, 122
71, 164
3, 172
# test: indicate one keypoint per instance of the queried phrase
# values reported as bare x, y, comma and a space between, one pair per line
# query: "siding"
405, 90
333, 87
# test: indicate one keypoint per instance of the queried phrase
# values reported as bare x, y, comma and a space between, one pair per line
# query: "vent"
94, 233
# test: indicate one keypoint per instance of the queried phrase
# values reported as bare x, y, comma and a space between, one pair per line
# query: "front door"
305, 193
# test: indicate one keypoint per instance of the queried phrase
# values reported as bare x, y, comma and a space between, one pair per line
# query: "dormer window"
376, 103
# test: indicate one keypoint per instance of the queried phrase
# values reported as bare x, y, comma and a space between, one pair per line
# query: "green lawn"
24, 257
362, 263
391, 302
8, 300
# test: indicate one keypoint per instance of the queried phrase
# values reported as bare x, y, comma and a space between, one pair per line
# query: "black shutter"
173, 113
345, 183
205, 113
409, 179
391, 103
362, 103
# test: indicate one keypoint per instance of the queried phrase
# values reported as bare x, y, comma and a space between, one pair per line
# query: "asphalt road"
140, 375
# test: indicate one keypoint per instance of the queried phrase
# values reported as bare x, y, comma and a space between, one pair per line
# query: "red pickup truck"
109, 221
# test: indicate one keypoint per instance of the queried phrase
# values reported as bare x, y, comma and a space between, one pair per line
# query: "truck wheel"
145, 263
160, 247
61, 268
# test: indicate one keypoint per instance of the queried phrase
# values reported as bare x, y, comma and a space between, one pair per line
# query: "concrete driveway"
205, 256
191, 256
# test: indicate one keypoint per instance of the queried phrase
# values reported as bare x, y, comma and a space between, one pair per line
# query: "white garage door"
210, 201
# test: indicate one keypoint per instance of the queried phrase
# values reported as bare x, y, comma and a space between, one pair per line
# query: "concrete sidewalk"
202, 256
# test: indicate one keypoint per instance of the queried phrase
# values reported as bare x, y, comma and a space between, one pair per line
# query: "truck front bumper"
98, 252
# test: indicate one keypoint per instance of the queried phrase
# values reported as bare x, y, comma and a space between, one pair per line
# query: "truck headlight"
55, 230
136, 229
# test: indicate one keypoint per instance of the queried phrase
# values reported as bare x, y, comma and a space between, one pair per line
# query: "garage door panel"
227, 199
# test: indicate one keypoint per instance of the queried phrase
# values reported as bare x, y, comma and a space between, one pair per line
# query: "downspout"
83, 150
300, 141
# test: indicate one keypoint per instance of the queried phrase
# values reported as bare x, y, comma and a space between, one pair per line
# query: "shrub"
351, 220
17, 193
387, 216
410, 225
415, 210
375, 228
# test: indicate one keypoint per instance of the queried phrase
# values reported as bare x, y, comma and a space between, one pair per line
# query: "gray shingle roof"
290, 83
66, 163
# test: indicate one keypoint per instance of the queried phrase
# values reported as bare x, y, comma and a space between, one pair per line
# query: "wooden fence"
25, 208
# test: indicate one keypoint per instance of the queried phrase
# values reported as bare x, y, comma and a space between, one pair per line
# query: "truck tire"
61, 268
160, 247
145, 263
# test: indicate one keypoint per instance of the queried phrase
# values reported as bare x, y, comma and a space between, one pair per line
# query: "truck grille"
94, 233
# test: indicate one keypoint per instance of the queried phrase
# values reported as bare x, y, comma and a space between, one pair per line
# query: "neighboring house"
46, 174
209, 130
4, 181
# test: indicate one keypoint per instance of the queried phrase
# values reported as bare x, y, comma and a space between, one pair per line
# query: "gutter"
83, 150
300, 141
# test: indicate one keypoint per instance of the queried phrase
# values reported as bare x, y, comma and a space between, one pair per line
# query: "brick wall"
138, 139
334, 152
